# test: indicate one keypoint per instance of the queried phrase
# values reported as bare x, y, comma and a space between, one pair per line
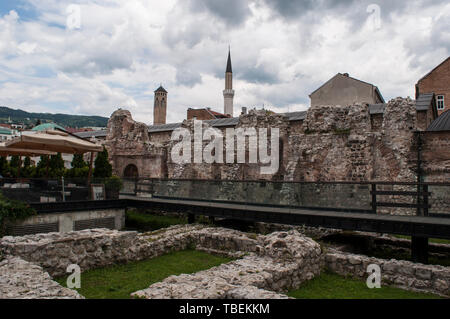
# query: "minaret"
160, 106
228, 93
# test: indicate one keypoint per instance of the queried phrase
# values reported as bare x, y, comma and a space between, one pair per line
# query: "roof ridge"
439, 65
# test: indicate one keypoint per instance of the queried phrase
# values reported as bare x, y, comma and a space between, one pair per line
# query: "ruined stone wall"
333, 143
128, 143
399, 273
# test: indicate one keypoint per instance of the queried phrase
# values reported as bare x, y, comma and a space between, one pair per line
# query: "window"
440, 102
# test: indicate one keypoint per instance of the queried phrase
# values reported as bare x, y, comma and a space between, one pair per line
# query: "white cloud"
125, 49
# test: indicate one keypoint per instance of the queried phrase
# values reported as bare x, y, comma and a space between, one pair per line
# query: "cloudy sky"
116, 53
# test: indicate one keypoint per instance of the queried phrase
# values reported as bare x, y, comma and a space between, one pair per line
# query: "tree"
56, 164
4, 166
78, 161
103, 168
28, 170
27, 162
80, 168
14, 161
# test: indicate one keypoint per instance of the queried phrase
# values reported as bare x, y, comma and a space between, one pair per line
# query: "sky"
93, 57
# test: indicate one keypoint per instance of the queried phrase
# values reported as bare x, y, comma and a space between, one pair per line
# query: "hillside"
64, 120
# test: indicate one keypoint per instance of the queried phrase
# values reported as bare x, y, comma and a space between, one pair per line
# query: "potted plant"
113, 185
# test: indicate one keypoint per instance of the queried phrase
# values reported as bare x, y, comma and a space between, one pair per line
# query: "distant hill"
64, 120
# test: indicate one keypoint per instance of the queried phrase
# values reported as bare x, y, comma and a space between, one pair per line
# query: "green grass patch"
432, 240
148, 222
119, 281
333, 286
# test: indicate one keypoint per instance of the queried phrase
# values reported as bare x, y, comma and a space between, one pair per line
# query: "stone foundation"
23, 280
281, 262
269, 265
403, 274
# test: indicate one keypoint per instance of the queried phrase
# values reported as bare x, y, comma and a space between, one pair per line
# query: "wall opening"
131, 171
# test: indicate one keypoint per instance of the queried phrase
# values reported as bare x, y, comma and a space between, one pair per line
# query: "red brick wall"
436, 156
438, 82
200, 114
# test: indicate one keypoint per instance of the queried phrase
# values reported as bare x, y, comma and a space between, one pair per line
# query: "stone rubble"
400, 273
20, 279
281, 261
268, 265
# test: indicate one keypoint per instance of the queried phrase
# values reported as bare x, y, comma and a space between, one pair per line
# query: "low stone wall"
403, 274
280, 262
23, 280
55, 251
269, 265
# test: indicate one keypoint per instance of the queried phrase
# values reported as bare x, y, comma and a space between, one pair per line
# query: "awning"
8, 151
53, 141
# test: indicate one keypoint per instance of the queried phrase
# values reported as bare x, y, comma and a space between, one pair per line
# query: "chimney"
346, 74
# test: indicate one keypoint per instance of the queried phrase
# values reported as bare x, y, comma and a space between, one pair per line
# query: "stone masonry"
267, 265
332, 143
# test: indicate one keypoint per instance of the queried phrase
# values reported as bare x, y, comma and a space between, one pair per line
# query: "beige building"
344, 90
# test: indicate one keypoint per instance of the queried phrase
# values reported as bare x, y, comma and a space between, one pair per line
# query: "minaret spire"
228, 93
229, 68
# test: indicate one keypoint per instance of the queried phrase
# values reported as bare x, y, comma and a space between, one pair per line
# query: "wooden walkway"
427, 227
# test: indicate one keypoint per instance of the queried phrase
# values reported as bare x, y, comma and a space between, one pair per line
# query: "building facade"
344, 90
437, 82
204, 114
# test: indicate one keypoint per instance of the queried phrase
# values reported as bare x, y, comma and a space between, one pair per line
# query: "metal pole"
63, 189
18, 169
90, 169
419, 245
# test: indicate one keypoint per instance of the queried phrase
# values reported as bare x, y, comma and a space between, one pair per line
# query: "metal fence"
33, 190
367, 197
427, 199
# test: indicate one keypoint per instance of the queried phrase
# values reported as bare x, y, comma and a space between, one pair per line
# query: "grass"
332, 286
388, 253
148, 222
119, 281
432, 240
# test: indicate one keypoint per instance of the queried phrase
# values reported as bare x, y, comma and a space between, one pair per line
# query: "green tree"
78, 161
14, 161
28, 169
4, 166
56, 162
103, 168
80, 168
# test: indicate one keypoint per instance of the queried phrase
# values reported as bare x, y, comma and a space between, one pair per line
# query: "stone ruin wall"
333, 143
267, 265
129, 143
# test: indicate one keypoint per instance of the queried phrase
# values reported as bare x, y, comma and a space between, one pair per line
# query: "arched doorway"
131, 171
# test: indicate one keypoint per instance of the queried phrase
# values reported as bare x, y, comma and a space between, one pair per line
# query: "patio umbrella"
8, 151
53, 141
